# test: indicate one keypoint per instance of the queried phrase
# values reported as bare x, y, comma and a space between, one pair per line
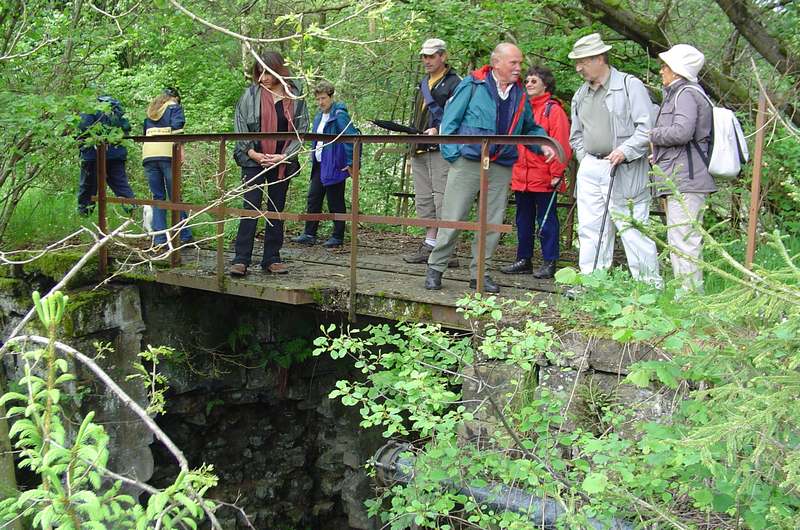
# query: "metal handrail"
354, 217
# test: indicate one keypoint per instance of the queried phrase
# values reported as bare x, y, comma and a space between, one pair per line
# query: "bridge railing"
221, 212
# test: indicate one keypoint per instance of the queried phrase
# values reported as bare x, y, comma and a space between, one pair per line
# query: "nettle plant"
727, 458
75, 489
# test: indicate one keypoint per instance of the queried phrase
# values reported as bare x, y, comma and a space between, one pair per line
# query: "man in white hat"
611, 119
428, 167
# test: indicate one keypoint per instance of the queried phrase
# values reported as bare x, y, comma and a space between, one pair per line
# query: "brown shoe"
276, 268
238, 270
421, 255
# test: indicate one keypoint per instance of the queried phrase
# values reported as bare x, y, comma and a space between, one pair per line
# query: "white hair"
501, 49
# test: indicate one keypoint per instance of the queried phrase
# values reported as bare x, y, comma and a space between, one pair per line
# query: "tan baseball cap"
431, 46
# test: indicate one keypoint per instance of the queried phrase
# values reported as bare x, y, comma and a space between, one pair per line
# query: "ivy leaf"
567, 275
640, 378
595, 483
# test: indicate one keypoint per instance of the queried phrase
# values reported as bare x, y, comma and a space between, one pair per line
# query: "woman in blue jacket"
164, 116
330, 166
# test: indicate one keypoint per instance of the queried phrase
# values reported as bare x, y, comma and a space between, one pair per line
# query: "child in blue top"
330, 166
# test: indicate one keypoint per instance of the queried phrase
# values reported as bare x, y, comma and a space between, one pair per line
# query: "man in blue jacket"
489, 101
115, 155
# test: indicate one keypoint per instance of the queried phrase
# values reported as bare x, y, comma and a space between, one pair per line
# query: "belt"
603, 156
426, 149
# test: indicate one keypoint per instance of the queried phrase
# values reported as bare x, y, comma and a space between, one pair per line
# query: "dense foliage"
726, 457
55, 59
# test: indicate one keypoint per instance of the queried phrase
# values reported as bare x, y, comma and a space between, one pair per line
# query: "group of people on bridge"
613, 130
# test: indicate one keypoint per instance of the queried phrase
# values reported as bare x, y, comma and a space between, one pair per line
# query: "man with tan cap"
611, 120
428, 167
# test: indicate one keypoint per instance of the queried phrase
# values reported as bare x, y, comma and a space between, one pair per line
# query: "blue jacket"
168, 119
114, 118
338, 156
473, 110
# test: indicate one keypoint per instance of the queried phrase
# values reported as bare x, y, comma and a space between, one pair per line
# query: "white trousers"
685, 242
592, 183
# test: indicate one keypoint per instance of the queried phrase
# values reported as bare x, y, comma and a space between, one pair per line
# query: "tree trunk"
647, 33
8, 479
774, 50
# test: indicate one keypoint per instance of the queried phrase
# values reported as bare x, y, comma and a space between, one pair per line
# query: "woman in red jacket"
534, 180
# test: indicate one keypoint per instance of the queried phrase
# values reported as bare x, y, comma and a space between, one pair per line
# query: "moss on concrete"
83, 308
55, 265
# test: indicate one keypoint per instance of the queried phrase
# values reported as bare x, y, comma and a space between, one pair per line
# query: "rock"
605, 355
584, 393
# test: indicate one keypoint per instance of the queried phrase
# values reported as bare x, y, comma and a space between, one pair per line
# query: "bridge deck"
387, 286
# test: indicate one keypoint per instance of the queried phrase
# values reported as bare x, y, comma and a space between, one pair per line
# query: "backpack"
727, 151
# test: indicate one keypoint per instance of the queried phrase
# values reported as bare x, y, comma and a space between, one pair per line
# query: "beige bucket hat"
588, 46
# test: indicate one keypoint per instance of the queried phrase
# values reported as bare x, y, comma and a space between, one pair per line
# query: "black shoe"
521, 266
421, 256
547, 270
433, 280
488, 285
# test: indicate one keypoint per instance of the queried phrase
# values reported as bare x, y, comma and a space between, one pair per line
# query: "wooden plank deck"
387, 286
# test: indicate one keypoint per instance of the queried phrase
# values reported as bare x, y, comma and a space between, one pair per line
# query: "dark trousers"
531, 206
273, 233
316, 193
116, 178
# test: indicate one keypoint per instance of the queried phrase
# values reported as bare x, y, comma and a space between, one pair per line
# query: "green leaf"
595, 483
567, 275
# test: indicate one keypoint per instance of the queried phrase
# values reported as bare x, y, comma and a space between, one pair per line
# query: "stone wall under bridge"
245, 397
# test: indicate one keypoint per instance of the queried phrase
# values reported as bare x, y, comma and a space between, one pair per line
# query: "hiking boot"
238, 270
521, 266
275, 268
333, 242
305, 239
547, 270
433, 280
423, 252
488, 285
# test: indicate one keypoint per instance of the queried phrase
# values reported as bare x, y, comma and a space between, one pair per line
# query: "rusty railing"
221, 212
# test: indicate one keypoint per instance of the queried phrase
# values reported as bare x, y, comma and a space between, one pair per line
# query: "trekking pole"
605, 216
549, 206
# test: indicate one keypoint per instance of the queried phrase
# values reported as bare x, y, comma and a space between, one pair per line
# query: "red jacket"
531, 172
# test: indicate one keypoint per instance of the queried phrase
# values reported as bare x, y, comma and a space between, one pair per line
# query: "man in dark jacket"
115, 155
427, 165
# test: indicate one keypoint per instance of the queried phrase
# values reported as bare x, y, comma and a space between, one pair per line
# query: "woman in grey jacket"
270, 104
681, 140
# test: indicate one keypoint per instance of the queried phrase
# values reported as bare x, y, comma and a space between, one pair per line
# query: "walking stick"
549, 206
605, 216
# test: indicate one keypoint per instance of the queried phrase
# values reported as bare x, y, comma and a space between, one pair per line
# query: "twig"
67, 277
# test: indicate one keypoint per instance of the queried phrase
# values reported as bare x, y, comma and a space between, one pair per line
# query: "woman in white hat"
681, 147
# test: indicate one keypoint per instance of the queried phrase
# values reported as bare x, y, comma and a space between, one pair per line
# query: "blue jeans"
116, 178
531, 206
159, 176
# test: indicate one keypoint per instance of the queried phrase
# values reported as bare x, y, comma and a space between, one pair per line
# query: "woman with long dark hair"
270, 104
